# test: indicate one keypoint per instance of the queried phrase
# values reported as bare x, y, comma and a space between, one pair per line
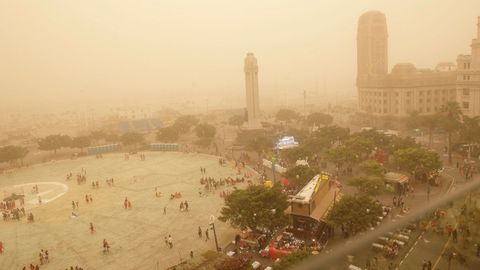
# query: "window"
428, 100
465, 105
464, 65
466, 91
407, 101
420, 93
384, 110
428, 109
420, 101
429, 92
408, 94
468, 65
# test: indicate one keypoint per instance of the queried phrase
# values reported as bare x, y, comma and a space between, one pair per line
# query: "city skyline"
136, 52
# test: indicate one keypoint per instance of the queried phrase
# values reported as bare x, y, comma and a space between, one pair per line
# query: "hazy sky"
63, 52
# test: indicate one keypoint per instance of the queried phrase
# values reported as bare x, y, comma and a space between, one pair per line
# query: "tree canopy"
185, 123
54, 142
132, 138
341, 155
368, 185
371, 167
168, 134
256, 208
305, 174
318, 118
81, 142
356, 213
12, 153
236, 120
286, 115
410, 159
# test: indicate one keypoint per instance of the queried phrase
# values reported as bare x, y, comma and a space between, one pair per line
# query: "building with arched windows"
408, 89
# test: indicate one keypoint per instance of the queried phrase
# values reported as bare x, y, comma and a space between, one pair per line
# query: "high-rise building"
407, 89
251, 87
372, 45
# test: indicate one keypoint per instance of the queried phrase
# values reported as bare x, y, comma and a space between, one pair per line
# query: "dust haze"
65, 55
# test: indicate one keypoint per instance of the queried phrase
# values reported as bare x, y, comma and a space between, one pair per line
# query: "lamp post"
273, 169
212, 227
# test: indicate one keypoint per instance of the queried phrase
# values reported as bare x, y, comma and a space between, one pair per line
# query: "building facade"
407, 89
251, 87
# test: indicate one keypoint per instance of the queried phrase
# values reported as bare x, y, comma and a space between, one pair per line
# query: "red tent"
285, 182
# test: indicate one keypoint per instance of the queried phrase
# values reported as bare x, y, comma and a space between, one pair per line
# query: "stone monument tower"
251, 87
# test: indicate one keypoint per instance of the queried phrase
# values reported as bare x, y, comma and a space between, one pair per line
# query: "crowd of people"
209, 183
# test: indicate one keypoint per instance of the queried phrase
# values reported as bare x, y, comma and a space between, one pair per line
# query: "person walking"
186, 206
170, 241
164, 210
206, 235
199, 232
92, 229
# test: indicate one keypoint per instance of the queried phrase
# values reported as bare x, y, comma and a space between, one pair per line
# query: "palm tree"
470, 130
451, 117
430, 122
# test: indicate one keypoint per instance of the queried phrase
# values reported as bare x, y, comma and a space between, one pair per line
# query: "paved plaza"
136, 236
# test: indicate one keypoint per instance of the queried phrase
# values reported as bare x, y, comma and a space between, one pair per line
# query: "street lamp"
212, 227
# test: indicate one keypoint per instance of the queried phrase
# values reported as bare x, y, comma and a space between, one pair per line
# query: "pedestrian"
191, 254
186, 206
170, 241
454, 234
73, 205
429, 265
1, 247
199, 232
46, 257
76, 203
206, 235
424, 265
164, 210
92, 229
181, 206
166, 241
125, 203
106, 246
394, 200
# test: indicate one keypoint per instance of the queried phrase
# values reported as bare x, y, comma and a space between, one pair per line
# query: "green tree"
361, 146
289, 261
12, 153
304, 173
132, 138
332, 134
97, 135
291, 155
256, 207
81, 142
236, 120
341, 155
367, 185
470, 129
259, 144
286, 115
410, 159
184, 123
356, 213
431, 122
168, 134
318, 118
450, 118
371, 167
54, 142
112, 138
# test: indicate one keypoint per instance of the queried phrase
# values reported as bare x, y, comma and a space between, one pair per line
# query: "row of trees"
184, 124
12, 153
57, 141
316, 118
